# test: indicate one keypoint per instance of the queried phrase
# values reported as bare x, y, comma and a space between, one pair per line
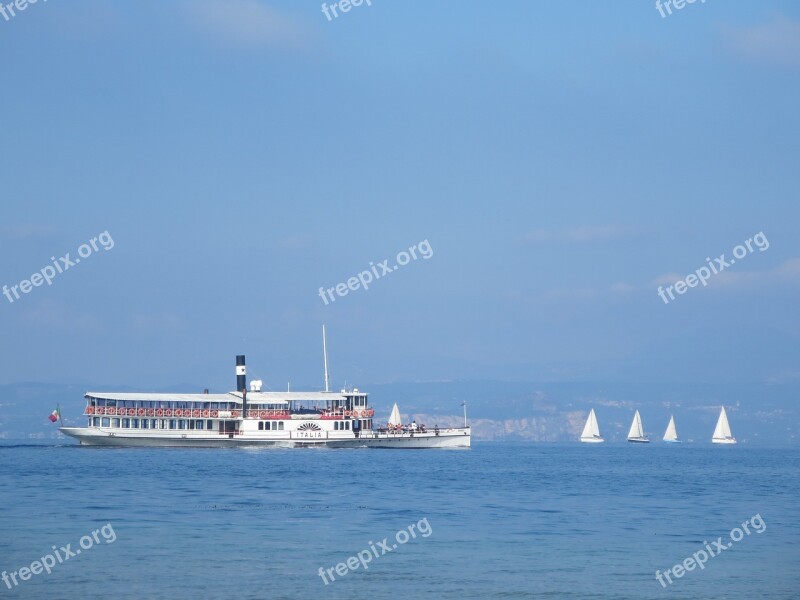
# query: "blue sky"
562, 159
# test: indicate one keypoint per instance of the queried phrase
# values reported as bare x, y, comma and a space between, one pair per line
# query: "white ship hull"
95, 436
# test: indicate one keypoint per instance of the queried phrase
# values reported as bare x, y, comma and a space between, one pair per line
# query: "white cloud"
585, 234
622, 288
21, 231
246, 23
786, 272
53, 316
775, 42
158, 322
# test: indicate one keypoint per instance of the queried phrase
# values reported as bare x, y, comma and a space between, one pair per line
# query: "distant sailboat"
671, 435
722, 433
591, 432
636, 434
394, 418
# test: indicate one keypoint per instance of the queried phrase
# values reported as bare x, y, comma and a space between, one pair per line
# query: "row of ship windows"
150, 423
185, 405
270, 425
156, 404
203, 424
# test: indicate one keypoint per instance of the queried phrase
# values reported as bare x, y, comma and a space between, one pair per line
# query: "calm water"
508, 521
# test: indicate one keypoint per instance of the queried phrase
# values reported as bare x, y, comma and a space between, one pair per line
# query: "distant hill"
542, 412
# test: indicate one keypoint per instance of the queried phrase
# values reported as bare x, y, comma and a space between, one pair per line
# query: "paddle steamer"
250, 418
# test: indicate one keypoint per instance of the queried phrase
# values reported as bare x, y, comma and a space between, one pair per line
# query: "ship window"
97, 421
106, 421
115, 422
336, 425
269, 425
90, 422
198, 424
191, 424
135, 423
208, 424
347, 425
126, 423
181, 424
145, 423
280, 425
261, 425
172, 423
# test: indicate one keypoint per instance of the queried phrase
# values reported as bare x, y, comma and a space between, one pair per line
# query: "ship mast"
325, 356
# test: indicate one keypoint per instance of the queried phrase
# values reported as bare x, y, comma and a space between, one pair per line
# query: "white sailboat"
722, 433
394, 418
671, 435
636, 434
591, 431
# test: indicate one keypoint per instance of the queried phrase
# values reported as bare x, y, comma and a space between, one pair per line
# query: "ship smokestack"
241, 381
241, 374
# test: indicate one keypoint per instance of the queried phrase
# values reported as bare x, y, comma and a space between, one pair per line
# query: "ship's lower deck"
443, 438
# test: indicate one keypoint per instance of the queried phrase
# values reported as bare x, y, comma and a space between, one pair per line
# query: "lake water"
510, 521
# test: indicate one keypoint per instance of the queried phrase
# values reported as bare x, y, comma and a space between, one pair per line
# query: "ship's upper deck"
234, 397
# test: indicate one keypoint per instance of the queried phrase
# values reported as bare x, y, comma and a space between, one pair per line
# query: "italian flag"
55, 415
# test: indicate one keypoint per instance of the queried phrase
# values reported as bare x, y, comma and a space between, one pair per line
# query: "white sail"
394, 418
636, 432
671, 435
591, 431
722, 432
